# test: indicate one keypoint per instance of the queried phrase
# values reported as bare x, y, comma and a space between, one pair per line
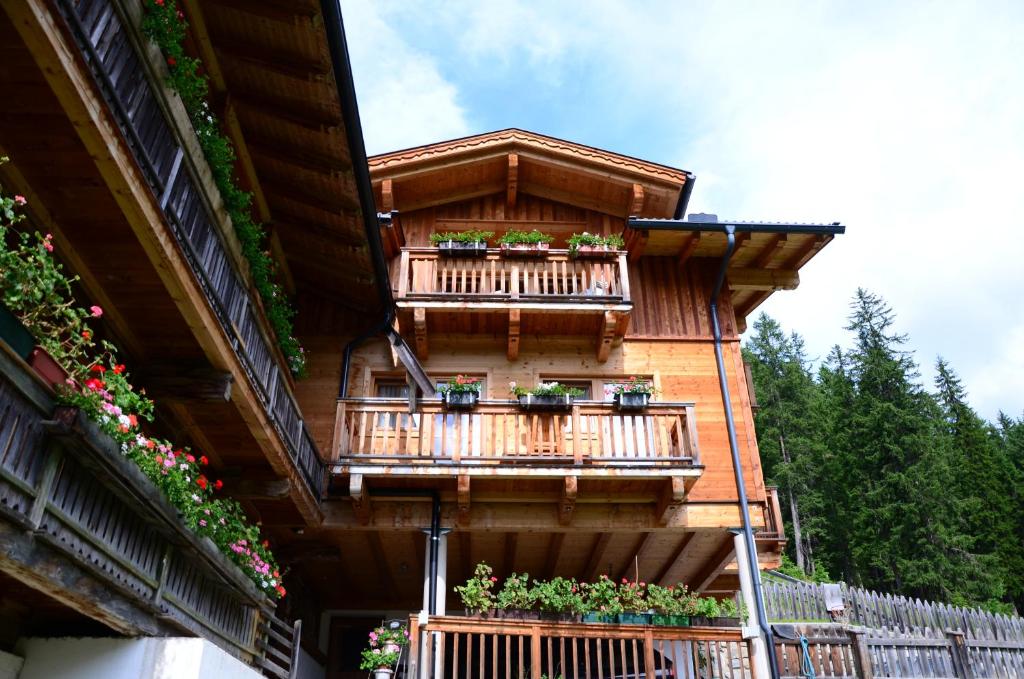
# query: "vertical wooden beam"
387, 196
636, 201
513, 180
463, 499
360, 498
419, 321
567, 503
672, 497
606, 336
513, 334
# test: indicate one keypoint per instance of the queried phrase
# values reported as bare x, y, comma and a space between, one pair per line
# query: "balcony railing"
774, 528
425, 276
81, 522
138, 105
381, 430
454, 648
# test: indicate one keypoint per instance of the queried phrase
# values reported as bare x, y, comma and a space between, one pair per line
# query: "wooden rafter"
276, 10
714, 566
381, 562
294, 111
597, 556
678, 557
296, 156
287, 64
567, 503
688, 247
513, 180
607, 336
811, 246
643, 543
768, 251
513, 334
293, 188
189, 385
419, 322
741, 240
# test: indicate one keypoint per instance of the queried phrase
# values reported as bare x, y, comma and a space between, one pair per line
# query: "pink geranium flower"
96, 311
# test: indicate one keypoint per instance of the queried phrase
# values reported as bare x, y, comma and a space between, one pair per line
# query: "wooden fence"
496, 431
113, 49
470, 648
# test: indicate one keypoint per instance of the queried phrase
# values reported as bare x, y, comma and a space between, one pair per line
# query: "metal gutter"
741, 490
833, 229
335, 27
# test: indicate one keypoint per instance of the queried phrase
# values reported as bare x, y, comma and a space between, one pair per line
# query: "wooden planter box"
592, 252
525, 249
632, 402
461, 400
454, 248
551, 403
17, 336
46, 367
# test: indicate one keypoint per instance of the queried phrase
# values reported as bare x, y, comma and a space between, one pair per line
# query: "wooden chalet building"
375, 497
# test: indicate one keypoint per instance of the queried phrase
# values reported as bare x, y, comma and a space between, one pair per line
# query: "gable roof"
515, 160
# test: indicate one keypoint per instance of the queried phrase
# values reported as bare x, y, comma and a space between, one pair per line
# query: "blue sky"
905, 121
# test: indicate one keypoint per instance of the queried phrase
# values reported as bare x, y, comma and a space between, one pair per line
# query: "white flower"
195, 497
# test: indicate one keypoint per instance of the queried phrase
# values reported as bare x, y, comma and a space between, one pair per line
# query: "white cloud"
403, 98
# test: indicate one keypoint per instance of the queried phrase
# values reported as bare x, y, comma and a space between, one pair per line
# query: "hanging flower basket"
632, 401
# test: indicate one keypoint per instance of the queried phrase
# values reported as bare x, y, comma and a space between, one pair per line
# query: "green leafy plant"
635, 385
515, 593
613, 241
460, 384
603, 597
36, 289
545, 389
384, 648
633, 596
164, 24
525, 238
560, 595
470, 236
663, 599
476, 594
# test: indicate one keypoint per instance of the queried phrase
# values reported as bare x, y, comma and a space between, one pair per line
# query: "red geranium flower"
94, 384
203, 460
201, 482
98, 369
218, 484
280, 590
190, 458
86, 334
134, 420
171, 61
118, 369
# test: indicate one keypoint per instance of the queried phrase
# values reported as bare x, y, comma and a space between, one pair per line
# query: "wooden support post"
463, 499
340, 434
861, 654
513, 180
607, 336
360, 498
624, 278
577, 435
672, 498
513, 334
403, 275
567, 503
535, 662
958, 650
419, 320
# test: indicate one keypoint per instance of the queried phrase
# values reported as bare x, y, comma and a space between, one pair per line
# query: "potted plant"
666, 606
633, 596
525, 243
470, 243
593, 245
384, 650
560, 599
461, 392
477, 597
546, 396
603, 603
516, 599
633, 394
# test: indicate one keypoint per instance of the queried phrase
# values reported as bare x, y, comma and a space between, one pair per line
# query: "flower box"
547, 402
454, 248
701, 621
670, 620
600, 618
46, 367
461, 400
592, 251
632, 400
516, 614
524, 249
634, 618
17, 336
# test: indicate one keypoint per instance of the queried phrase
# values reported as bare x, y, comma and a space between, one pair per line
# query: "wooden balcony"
455, 647
163, 144
551, 294
378, 436
82, 525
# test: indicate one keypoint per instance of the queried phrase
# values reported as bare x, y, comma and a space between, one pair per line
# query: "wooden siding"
671, 301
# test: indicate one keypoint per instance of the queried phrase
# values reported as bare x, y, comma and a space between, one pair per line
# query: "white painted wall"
10, 665
143, 658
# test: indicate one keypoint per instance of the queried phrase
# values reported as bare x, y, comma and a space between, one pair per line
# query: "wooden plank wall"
671, 301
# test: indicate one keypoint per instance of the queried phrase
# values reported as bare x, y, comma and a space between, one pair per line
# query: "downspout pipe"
730, 423
434, 536
684, 196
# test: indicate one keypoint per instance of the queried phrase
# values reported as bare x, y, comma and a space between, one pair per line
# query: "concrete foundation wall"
146, 658
10, 665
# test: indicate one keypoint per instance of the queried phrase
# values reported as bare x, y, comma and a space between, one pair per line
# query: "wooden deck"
497, 438
474, 648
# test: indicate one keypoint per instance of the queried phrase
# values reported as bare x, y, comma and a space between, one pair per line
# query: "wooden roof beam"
597, 556
636, 201
763, 279
513, 181
294, 111
284, 63
633, 564
187, 385
387, 196
689, 246
810, 247
296, 190
511, 548
637, 243
296, 156
714, 566
275, 10
677, 559
766, 254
